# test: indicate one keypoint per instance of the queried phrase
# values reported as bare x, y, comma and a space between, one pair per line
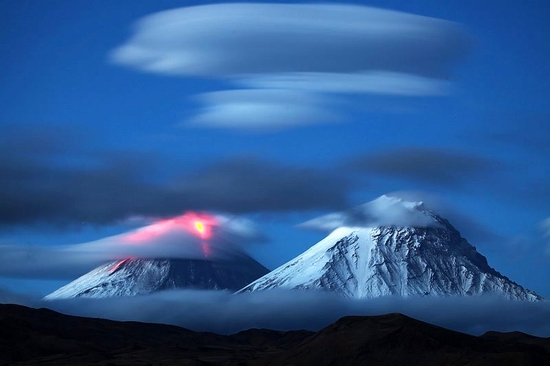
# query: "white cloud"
379, 82
262, 109
293, 49
233, 39
385, 210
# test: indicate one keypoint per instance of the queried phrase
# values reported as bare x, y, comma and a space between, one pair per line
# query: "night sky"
119, 113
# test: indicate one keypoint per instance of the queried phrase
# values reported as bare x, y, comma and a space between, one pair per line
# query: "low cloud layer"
217, 237
289, 48
226, 313
441, 167
39, 184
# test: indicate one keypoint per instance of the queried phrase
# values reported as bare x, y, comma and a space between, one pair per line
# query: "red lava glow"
195, 223
200, 227
198, 224
118, 264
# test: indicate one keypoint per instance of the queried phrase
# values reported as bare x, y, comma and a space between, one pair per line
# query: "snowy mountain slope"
380, 259
129, 277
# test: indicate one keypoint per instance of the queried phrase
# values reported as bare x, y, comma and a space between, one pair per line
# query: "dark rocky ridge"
32, 336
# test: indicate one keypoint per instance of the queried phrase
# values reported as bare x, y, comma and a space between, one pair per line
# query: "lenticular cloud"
234, 39
294, 49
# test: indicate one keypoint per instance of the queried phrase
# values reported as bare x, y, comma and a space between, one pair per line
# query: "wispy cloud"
377, 82
277, 48
262, 110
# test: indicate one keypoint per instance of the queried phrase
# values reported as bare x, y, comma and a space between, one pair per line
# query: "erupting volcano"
217, 263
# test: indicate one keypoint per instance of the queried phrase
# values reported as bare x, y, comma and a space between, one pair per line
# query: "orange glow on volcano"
197, 224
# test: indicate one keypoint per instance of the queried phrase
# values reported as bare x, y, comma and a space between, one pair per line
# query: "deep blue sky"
89, 139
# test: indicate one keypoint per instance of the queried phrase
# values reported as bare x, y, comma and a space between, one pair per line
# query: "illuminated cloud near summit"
385, 210
321, 48
189, 236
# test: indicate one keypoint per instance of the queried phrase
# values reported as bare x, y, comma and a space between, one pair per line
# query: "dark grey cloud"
69, 183
525, 140
530, 132
227, 313
250, 185
437, 166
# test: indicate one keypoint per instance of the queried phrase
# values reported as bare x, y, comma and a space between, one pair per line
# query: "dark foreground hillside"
40, 336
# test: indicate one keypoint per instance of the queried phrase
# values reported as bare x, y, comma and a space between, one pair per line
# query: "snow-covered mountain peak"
390, 246
139, 276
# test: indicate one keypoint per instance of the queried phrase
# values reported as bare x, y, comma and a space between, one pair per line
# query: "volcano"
391, 246
130, 277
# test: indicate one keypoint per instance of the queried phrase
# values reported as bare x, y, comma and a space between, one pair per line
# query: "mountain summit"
390, 246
